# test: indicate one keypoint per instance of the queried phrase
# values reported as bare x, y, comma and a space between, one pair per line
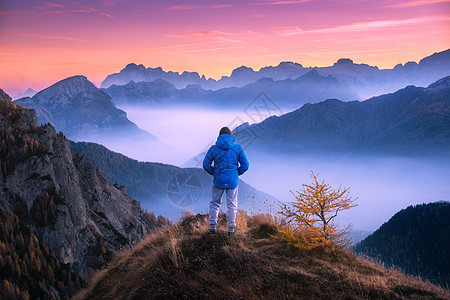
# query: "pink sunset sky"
42, 42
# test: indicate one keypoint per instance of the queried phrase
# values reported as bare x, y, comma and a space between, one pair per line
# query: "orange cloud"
205, 50
214, 33
207, 34
52, 37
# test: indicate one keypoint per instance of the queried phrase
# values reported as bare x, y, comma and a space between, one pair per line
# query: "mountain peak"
284, 64
133, 66
80, 79
242, 70
344, 61
70, 86
313, 74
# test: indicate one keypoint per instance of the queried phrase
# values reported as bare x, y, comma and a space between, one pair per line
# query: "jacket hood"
225, 141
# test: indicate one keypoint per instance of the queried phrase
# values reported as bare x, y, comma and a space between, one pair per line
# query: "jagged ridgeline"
80, 216
416, 239
289, 85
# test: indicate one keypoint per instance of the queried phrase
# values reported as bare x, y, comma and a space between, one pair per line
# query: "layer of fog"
383, 185
190, 131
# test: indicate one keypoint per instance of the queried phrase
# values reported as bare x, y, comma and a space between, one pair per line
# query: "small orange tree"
310, 218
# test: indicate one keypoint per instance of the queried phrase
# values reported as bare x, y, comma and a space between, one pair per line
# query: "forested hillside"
416, 239
27, 268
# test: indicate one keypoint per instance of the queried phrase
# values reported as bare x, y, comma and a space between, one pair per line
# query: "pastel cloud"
49, 6
282, 2
182, 7
214, 33
286, 31
221, 6
190, 7
53, 4
373, 25
208, 35
76, 7
413, 3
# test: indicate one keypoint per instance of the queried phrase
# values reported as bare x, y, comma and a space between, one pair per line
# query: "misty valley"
383, 183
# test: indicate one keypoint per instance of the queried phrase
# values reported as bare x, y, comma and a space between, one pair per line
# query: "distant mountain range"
85, 113
159, 186
355, 82
138, 73
416, 239
286, 94
412, 120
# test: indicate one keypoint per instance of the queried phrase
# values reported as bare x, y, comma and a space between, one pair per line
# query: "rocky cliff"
79, 215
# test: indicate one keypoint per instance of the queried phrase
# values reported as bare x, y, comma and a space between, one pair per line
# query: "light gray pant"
216, 201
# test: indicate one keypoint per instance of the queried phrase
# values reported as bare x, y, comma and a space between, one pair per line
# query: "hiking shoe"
231, 233
212, 231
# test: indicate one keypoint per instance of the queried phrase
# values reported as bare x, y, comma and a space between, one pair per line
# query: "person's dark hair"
225, 130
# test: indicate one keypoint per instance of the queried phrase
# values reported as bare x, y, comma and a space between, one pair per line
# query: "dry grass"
185, 262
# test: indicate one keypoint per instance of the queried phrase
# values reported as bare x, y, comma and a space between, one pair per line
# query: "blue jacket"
229, 162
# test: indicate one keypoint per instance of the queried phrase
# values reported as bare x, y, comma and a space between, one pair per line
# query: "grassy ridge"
184, 261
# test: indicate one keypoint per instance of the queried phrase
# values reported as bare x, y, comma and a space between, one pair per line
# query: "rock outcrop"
78, 214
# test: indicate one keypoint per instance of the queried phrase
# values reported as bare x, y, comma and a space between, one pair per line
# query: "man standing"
229, 162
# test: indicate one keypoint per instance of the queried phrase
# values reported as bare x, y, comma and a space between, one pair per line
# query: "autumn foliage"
310, 219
